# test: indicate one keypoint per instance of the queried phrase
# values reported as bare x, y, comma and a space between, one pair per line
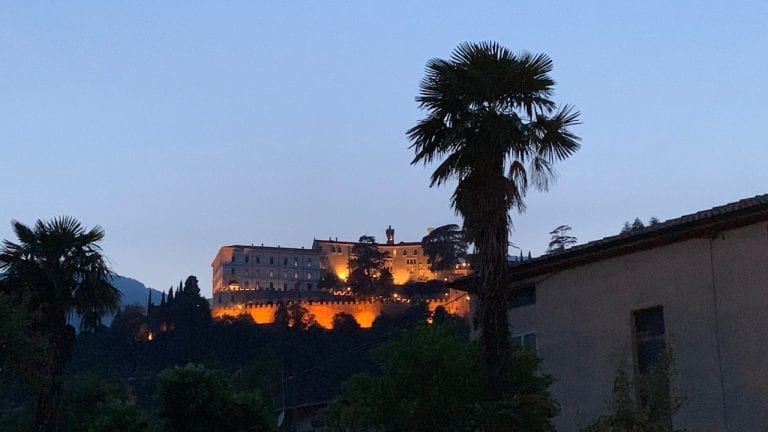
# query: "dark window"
233, 257
285, 261
271, 285
524, 296
527, 341
309, 286
650, 342
232, 271
285, 286
246, 259
271, 260
258, 260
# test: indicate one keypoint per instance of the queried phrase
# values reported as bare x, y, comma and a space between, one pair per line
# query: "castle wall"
365, 312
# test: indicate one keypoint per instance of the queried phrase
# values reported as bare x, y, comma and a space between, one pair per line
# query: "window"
271, 260
410, 261
295, 275
405, 252
309, 286
309, 262
232, 270
285, 287
271, 285
258, 259
246, 259
526, 340
285, 261
256, 273
256, 285
415, 252
285, 275
309, 275
295, 262
524, 296
271, 274
650, 342
234, 257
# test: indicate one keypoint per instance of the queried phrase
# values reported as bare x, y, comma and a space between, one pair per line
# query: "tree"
429, 380
345, 322
560, 239
57, 269
367, 267
329, 281
195, 399
646, 406
492, 126
293, 315
445, 246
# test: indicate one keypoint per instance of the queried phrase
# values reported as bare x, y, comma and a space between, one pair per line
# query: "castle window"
295, 275
285, 275
271, 274
295, 262
258, 259
271, 260
415, 252
271, 285
309, 275
285, 286
285, 261
246, 259
256, 285
233, 257
232, 270
309, 286
309, 262
405, 252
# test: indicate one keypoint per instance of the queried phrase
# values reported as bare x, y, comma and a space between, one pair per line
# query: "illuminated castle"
252, 279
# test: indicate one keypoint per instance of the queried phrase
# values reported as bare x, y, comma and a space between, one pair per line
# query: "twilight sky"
184, 126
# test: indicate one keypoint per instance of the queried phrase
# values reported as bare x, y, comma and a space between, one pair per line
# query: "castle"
253, 280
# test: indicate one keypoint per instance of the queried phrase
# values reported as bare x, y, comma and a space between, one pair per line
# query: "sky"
183, 126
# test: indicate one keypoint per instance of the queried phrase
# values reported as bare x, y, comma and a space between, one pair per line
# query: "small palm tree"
492, 126
54, 271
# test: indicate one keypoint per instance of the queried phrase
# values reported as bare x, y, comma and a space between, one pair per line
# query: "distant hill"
134, 292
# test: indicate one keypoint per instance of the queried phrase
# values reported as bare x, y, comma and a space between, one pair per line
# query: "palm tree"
492, 126
54, 271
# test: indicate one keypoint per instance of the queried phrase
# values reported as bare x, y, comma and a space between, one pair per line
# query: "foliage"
329, 281
195, 399
560, 239
120, 416
345, 322
85, 397
57, 269
445, 246
186, 311
492, 126
22, 352
430, 381
428, 289
293, 315
368, 273
652, 410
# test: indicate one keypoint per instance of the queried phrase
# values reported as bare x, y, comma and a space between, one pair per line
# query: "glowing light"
150, 336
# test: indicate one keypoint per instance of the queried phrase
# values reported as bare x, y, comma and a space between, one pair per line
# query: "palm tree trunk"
493, 305
48, 409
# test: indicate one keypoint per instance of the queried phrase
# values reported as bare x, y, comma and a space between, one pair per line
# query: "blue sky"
183, 126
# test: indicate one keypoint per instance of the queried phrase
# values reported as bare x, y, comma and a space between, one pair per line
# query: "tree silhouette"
57, 269
560, 239
445, 246
492, 126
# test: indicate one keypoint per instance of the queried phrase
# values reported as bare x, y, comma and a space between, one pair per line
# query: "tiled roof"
735, 214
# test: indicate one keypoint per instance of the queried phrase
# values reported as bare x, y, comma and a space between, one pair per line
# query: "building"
254, 279
407, 260
697, 284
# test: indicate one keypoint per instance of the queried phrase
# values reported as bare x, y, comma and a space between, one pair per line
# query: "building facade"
254, 279
697, 285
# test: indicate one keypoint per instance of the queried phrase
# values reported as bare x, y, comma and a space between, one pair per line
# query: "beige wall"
583, 321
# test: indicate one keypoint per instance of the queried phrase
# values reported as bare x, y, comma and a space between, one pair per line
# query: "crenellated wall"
365, 312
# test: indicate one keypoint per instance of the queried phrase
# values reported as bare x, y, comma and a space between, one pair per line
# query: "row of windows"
257, 286
257, 260
257, 273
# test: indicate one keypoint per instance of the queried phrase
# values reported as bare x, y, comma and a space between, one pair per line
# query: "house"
697, 284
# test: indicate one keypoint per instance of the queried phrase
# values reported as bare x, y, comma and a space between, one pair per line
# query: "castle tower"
390, 235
